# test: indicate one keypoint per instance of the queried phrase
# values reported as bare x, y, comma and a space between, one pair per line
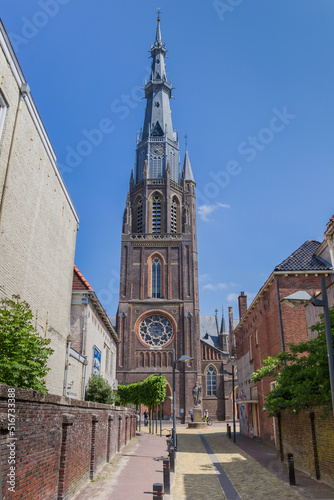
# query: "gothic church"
158, 308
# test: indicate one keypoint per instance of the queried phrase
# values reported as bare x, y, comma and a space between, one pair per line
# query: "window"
140, 216
156, 330
211, 381
174, 210
3, 110
156, 278
156, 214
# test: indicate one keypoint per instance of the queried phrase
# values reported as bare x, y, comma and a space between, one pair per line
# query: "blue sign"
97, 362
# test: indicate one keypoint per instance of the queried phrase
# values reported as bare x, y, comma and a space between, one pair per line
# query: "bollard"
172, 458
166, 471
169, 442
157, 491
229, 430
291, 465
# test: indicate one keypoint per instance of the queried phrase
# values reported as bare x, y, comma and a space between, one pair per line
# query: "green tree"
301, 373
23, 353
99, 390
149, 392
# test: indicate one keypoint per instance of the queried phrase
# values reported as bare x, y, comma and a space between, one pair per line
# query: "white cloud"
205, 210
203, 277
219, 286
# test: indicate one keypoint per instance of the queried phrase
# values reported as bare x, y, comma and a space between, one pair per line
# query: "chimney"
242, 302
230, 319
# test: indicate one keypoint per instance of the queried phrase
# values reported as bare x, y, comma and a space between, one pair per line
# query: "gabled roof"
304, 259
79, 281
209, 330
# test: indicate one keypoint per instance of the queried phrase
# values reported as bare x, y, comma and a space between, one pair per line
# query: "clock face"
157, 149
156, 330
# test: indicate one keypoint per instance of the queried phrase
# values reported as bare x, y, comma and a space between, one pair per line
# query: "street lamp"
182, 358
302, 298
228, 373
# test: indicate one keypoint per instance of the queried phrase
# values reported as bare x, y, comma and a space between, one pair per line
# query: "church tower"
158, 302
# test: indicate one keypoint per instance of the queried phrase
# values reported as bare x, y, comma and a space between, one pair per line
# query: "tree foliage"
23, 353
149, 392
99, 390
302, 374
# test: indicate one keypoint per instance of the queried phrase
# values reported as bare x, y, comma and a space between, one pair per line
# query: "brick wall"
259, 336
311, 440
60, 442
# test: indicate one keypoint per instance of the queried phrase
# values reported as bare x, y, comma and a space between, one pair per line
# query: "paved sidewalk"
209, 465
132, 472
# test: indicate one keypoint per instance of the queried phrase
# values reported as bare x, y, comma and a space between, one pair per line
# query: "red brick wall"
312, 452
53, 442
262, 321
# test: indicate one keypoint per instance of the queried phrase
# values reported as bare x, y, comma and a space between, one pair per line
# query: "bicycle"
207, 420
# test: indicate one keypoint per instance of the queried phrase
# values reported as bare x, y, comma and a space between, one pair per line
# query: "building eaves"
301, 261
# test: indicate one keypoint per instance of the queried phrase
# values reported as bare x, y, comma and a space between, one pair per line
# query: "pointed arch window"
156, 214
156, 278
211, 381
174, 216
140, 216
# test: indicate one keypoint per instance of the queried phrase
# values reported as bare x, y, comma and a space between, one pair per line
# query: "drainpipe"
24, 91
68, 362
85, 376
279, 315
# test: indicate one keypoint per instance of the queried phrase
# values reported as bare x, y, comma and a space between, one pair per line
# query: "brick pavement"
196, 477
132, 472
201, 454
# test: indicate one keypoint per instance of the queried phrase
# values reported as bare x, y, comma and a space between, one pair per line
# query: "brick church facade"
158, 312
158, 305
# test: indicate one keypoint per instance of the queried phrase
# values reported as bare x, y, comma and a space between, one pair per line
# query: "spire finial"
159, 10
186, 141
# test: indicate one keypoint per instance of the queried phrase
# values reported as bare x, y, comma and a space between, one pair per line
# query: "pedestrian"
206, 415
145, 418
191, 415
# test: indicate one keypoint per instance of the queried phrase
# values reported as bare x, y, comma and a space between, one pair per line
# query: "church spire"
158, 142
158, 33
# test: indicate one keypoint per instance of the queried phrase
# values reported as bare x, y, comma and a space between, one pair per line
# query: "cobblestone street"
208, 465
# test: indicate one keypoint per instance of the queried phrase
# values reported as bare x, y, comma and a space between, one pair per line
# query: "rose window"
156, 330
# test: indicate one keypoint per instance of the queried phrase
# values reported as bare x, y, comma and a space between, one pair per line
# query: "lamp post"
233, 399
182, 358
302, 298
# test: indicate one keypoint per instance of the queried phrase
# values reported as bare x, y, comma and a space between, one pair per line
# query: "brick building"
268, 326
93, 342
38, 222
158, 304
158, 312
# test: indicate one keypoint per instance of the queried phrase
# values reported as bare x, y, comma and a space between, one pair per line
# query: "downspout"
24, 91
68, 362
85, 376
279, 315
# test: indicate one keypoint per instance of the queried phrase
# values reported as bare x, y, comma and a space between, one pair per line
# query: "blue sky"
254, 92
